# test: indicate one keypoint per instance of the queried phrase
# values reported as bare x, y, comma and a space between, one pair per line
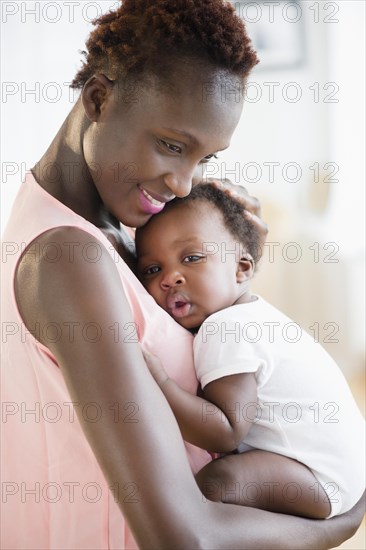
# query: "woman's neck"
63, 172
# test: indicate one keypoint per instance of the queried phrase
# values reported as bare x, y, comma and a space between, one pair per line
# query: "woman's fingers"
261, 225
251, 205
239, 193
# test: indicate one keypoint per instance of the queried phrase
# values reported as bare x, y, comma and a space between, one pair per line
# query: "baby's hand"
155, 366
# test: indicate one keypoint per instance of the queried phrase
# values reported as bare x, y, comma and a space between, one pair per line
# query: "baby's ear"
245, 269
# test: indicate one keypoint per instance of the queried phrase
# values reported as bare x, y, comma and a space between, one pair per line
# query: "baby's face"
189, 262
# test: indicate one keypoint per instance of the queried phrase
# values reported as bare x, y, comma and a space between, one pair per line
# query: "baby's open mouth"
177, 305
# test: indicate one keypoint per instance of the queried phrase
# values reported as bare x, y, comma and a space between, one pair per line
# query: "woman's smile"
148, 203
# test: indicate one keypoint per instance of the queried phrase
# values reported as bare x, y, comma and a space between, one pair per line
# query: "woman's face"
145, 153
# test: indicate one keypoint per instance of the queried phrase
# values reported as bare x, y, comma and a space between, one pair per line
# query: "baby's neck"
245, 298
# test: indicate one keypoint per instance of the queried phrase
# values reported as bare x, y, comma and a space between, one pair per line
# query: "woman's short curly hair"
242, 229
152, 37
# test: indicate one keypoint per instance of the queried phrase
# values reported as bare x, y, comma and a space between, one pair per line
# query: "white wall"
40, 43
324, 128
40, 51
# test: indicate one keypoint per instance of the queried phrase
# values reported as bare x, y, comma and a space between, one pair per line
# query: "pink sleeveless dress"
54, 495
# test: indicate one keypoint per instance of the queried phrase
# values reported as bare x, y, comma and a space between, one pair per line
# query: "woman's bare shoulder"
65, 271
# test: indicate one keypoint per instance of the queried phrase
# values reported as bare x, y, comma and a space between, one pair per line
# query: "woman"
161, 94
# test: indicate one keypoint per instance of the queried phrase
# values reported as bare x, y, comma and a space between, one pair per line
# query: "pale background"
304, 111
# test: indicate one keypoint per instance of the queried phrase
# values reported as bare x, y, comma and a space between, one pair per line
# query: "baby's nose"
172, 279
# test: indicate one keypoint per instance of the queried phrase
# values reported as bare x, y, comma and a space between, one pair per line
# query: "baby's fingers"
150, 358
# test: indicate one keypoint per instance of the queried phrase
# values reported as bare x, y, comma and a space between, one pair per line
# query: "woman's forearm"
258, 529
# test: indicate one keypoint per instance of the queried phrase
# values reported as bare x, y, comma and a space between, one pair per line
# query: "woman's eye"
151, 270
192, 258
170, 146
209, 157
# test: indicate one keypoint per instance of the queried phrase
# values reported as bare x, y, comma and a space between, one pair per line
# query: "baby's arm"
214, 422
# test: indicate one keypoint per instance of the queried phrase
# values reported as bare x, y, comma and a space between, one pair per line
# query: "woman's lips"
150, 204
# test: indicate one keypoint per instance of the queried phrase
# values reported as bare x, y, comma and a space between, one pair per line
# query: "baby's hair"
154, 37
242, 229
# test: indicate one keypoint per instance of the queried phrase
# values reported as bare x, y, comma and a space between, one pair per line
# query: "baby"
271, 398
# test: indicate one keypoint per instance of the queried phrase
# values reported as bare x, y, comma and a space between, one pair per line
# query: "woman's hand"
155, 366
251, 205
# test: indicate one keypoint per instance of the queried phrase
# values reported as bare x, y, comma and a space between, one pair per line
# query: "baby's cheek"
156, 293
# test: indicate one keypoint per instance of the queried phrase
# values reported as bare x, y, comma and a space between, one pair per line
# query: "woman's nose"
180, 187
172, 279
181, 183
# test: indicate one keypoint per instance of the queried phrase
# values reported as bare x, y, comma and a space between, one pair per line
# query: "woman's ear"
245, 269
97, 89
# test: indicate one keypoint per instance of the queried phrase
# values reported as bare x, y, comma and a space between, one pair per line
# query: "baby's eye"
170, 146
151, 270
192, 258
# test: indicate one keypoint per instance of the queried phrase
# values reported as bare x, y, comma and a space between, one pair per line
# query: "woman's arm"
269, 531
170, 512
217, 422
